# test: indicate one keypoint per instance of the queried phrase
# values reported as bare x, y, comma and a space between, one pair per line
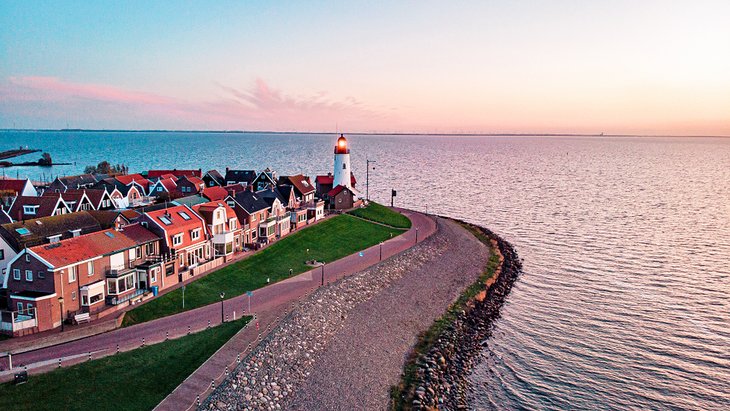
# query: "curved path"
268, 304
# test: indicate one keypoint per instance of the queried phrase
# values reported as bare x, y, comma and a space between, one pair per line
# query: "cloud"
259, 106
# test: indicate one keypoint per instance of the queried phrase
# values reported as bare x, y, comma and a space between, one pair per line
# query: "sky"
614, 67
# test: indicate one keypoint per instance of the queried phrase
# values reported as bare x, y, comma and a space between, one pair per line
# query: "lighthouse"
342, 164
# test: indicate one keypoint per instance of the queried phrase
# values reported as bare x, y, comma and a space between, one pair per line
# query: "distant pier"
16, 153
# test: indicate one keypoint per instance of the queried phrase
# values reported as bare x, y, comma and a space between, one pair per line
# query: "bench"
82, 318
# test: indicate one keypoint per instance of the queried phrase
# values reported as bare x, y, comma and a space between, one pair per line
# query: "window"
23, 231
159, 188
41, 274
195, 234
150, 248
20, 307
177, 239
344, 166
28, 275
54, 238
165, 220
29, 209
72, 271
16, 274
153, 275
73, 295
2, 254
121, 284
184, 215
232, 224
75, 233
84, 300
139, 252
27, 257
90, 268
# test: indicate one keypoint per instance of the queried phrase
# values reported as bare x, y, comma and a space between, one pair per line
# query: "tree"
45, 160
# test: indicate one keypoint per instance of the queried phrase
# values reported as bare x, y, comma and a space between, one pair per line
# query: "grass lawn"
327, 241
132, 380
382, 214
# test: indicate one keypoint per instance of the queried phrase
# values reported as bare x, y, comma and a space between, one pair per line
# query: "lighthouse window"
344, 166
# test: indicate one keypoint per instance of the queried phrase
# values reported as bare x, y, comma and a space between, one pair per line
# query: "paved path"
268, 303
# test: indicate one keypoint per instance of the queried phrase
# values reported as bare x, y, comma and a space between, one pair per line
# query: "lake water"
623, 303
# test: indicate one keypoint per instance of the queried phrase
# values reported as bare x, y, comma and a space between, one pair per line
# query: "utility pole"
367, 178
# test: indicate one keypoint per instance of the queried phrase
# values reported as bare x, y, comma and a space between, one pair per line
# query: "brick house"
342, 198
25, 208
251, 210
184, 241
324, 183
61, 184
303, 188
91, 273
244, 177
213, 178
187, 185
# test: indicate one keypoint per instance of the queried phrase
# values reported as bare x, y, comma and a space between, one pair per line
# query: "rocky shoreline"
440, 377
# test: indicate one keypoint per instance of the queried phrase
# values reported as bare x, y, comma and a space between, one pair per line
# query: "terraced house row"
83, 247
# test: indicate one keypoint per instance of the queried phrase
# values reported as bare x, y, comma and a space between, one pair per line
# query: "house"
100, 199
187, 185
11, 188
223, 227
251, 210
184, 241
303, 187
244, 177
174, 172
86, 274
216, 193
136, 179
24, 208
324, 183
342, 198
164, 188
14, 237
114, 219
213, 178
61, 184
130, 190
264, 179
279, 217
76, 200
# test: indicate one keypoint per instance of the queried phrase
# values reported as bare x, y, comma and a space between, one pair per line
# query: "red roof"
173, 220
215, 193
46, 205
11, 184
337, 190
329, 179
301, 183
174, 172
206, 211
137, 178
169, 184
87, 246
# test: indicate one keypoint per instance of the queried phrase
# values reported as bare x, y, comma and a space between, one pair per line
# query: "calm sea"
626, 245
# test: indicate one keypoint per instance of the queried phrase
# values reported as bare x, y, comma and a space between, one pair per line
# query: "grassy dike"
327, 241
132, 380
401, 394
382, 214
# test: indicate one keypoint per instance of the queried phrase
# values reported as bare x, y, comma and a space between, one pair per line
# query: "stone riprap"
345, 345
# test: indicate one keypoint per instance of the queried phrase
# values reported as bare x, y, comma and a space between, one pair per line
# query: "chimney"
226, 170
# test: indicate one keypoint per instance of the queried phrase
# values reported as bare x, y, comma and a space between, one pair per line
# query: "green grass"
132, 380
382, 214
401, 394
327, 241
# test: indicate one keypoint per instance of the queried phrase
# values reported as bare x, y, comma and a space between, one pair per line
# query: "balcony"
223, 238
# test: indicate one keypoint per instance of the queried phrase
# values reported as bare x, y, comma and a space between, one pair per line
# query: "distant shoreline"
69, 130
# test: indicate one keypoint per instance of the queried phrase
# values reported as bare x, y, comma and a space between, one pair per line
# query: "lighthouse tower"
342, 164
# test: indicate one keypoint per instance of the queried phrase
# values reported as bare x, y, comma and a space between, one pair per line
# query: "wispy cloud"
259, 106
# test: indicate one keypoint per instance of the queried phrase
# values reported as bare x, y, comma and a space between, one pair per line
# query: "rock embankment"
345, 345
441, 376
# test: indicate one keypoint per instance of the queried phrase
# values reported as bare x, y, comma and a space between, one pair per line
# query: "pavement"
268, 304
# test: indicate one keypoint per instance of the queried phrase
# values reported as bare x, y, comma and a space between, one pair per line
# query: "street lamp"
60, 301
322, 272
222, 296
381, 251
416, 235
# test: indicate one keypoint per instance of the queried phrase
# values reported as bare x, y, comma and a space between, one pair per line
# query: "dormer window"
195, 234
54, 238
30, 209
75, 233
177, 239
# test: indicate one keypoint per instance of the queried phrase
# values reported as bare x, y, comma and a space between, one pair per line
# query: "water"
623, 303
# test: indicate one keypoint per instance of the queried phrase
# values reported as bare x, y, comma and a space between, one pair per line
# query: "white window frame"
195, 234
29, 209
29, 275
72, 274
16, 274
177, 239
90, 268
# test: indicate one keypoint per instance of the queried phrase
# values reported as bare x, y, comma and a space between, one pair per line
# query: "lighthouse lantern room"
342, 163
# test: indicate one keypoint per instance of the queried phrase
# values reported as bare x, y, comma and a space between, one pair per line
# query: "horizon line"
83, 130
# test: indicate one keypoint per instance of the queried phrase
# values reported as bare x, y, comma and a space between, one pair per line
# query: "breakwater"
435, 372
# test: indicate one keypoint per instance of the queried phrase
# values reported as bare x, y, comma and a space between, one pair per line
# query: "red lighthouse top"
341, 147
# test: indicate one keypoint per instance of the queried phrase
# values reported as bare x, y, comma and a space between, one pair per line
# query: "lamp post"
222, 296
322, 272
381, 251
367, 178
416, 235
60, 301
